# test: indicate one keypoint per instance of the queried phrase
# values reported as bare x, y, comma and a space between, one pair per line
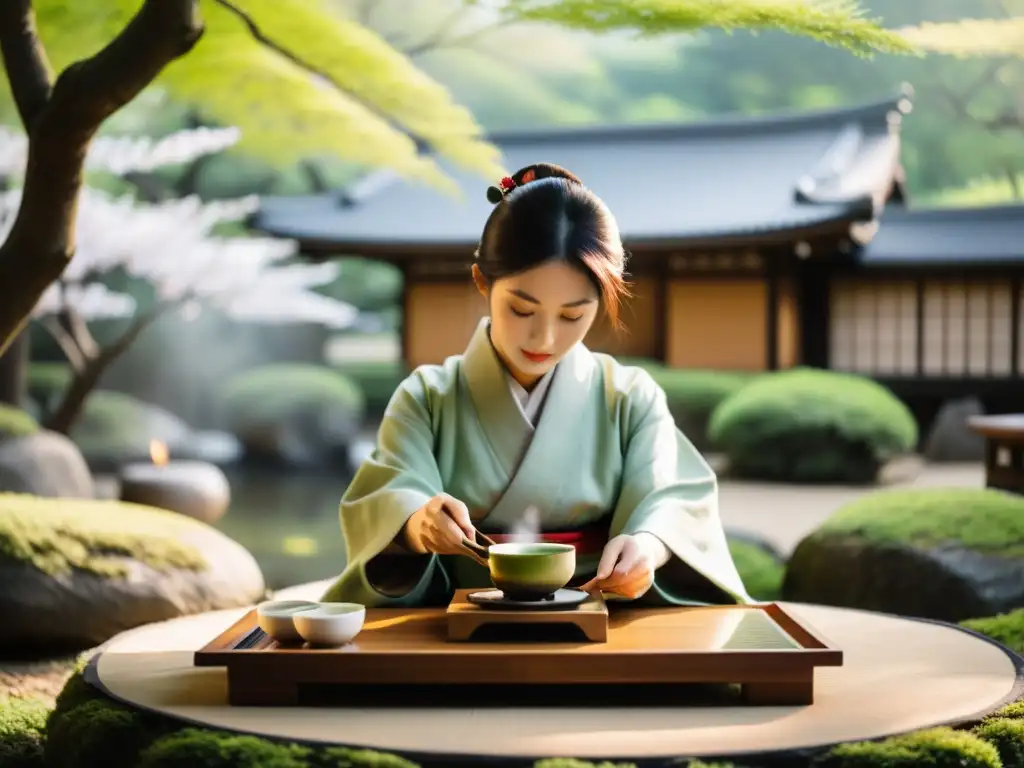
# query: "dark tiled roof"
693, 181
974, 236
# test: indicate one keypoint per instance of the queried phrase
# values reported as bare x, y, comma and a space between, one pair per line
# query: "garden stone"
44, 464
76, 573
945, 554
950, 438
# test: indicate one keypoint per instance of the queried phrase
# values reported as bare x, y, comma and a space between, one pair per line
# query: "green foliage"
271, 394
376, 380
1014, 711
806, 425
22, 722
1006, 628
14, 422
1007, 736
985, 38
761, 572
47, 382
366, 106
932, 748
839, 23
57, 535
979, 519
978, 193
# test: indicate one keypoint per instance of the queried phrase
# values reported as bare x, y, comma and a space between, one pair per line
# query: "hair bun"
495, 194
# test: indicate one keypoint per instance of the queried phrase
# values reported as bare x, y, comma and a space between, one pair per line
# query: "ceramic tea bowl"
277, 618
531, 571
330, 624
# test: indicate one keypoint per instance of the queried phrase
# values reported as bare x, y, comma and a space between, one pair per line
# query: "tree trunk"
14, 371
74, 397
60, 123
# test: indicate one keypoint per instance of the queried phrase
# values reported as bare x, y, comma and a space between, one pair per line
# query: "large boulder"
812, 426
950, 439
77, 572
949, 554
294, 415
44, 464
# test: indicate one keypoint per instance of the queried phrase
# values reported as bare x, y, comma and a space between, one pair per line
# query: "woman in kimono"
528, 419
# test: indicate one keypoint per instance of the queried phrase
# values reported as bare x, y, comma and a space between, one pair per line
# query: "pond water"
288, 521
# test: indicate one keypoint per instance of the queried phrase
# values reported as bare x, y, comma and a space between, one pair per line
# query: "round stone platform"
899, 675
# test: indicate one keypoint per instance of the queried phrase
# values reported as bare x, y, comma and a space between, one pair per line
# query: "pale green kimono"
605, 443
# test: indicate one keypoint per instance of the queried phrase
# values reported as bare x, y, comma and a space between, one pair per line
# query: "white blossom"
124, 154
172, 246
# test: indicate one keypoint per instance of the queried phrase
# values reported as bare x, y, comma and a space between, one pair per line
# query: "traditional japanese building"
756, 244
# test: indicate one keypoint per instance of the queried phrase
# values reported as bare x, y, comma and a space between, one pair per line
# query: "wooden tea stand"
762, 648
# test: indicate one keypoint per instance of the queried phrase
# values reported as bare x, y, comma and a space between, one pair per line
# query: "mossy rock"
944, 553
377, 380
1006, 629
813, 426
931, 748
115, 428
15, 422
22, 725
761, 570
294, 414
87, 728
693, 395
77, 572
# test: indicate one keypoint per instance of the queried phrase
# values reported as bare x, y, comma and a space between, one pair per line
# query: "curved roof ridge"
877, 111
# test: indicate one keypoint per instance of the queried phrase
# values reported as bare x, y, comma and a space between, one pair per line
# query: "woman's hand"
626, 568
439, 526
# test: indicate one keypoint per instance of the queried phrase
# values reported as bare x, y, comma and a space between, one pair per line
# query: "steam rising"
526, 529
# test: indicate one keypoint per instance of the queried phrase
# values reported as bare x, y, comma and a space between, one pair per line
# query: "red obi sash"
588, 540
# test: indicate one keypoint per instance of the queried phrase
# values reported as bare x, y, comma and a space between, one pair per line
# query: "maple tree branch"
28, 69
41, 241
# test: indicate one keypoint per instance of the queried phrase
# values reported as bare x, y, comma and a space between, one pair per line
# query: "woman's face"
537, 316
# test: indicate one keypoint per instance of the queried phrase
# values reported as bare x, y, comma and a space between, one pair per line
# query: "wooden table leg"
253, 691
782, 693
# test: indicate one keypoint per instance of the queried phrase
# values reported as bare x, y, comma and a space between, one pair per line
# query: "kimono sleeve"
670, 491
399, 477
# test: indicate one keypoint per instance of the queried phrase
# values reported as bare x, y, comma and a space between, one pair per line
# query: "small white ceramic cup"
331, 624
277, 618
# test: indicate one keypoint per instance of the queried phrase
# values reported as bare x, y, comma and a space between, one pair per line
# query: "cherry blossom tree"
174, 247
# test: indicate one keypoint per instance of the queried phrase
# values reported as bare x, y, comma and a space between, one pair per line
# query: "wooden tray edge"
809, 637
213, 653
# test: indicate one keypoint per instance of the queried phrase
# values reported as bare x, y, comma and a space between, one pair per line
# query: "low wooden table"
762, 648
1004, 449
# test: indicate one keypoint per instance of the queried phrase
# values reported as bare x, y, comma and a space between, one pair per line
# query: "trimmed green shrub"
692, 395
806, 425
22, 724
114, 427
14, 422
1007, 736
377, 380
762, 573
932, 748
309, 410
1006, 629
